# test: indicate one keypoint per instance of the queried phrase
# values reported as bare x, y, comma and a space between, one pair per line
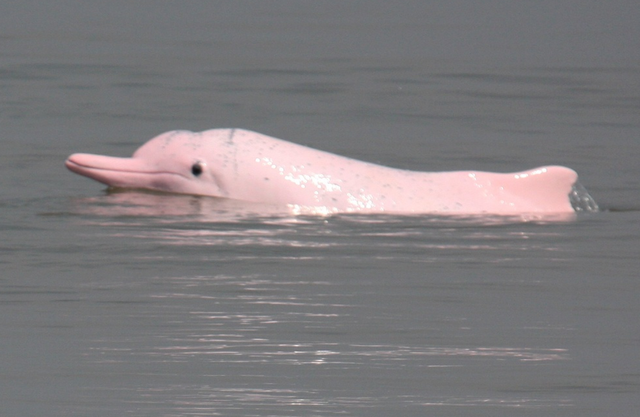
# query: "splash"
581, 200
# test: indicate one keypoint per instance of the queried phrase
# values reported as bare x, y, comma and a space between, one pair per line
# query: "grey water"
125, 303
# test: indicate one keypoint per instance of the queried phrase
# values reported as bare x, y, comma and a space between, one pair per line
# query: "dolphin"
248, 166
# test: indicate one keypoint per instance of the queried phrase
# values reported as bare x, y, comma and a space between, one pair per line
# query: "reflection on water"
172, 206
288, 347
222, 229
267, 331
210, 209
209, 400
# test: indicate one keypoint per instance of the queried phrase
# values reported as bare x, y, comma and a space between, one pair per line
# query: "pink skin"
243, 165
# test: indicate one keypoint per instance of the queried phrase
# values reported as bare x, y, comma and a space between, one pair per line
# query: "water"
141, 304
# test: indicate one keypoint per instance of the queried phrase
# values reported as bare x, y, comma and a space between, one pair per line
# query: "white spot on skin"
472, 175
361, 201
321, 181
297, 209
295, 175
536, 172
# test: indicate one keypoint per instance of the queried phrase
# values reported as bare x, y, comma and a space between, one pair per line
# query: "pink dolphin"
244, 165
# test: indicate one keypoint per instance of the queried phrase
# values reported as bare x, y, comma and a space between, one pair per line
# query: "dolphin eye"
196, 169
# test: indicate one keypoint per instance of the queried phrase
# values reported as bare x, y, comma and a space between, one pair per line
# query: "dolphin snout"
108, 170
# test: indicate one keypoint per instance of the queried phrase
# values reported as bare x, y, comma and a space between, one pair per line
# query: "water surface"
154, 305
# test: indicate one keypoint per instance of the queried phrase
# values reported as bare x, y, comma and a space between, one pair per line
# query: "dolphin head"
177, 162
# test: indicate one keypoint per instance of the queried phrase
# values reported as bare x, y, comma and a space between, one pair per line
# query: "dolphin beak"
112, 171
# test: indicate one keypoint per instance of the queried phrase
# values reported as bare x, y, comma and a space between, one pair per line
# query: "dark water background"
117, 304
